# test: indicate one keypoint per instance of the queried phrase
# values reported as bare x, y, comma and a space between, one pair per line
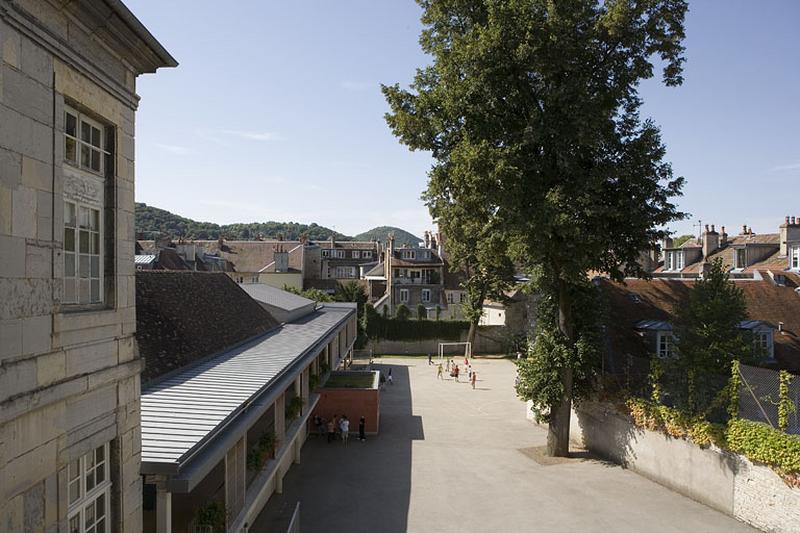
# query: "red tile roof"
658, 299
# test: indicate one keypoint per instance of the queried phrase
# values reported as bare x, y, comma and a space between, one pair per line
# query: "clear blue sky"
275, 113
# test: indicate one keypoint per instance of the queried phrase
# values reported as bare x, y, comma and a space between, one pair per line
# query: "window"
673, 261
461, 297
83, 142
345, 272
326, 252
408, 254
88, 488
356, 254
426, 295
450, 298
762, 344
366, 254
338, 254
794, 257
665, 345
404, 295
740, 258
83, 265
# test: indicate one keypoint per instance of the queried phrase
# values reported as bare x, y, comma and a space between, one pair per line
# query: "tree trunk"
473, 324
558, 429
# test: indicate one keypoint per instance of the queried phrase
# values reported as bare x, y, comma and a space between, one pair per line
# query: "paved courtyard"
452, 459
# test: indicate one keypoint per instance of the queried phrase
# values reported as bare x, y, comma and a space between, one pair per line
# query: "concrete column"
163, 509
278, 482
305, 390
235, 486
280, 418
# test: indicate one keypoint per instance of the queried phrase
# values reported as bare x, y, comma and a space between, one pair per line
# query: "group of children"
340, 424
454, 371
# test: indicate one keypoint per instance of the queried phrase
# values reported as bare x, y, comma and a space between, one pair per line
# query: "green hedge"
762, 443
390, 329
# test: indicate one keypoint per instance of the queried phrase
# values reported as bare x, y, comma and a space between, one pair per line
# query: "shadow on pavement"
360, 487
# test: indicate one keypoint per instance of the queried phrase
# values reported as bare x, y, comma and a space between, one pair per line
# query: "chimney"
220, 242
427, 239
789, 233
710, 241
744, 229
281, 259
780, 327
723, 237
333, 241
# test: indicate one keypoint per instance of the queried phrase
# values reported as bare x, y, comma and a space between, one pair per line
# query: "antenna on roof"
699, 229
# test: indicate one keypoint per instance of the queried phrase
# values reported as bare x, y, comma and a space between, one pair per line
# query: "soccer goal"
467, 349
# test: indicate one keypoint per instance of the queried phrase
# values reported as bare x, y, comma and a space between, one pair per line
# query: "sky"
275, 113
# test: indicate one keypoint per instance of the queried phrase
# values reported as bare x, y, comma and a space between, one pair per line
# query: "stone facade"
69, 375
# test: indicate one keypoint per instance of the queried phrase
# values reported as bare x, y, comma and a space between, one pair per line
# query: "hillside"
152, 220
382, 232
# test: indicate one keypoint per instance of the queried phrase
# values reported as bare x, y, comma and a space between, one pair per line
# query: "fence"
759, 397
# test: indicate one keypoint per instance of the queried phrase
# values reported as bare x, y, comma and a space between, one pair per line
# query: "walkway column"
280, 418
235, 471
163, 508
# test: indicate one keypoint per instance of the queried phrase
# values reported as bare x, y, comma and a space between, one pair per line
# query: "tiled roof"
349, 245
255, 256
726, 253
185, 316
657, 300
187, 409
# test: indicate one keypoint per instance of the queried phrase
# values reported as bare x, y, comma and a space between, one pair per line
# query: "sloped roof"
276, 297
189, 409
183, 316
377, 270
657, 300
255, 256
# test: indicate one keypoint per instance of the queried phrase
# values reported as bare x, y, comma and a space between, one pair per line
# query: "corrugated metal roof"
145, 259
273, 296
179, 412
658, 325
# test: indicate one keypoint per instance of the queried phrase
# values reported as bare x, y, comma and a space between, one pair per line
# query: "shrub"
294, 408
262, 451
422, 313
313, 382
402, 312
212, 514
400, 330
765, 444
656, 417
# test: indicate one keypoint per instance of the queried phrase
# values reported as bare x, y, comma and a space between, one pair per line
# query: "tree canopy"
530, 109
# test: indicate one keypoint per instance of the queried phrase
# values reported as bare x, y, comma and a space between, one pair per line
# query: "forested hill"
152, 220
381, 233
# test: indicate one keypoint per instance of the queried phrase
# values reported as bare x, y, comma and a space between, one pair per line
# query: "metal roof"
182, 412
657, 325
273, 296
145, 259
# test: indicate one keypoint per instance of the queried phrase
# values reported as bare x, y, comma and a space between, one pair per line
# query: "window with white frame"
762, 343
674, 261
88, 492
83, 142
794, 257
366, 254
404, 295
326, 252
356, 254
345, 272
426, 295
450, 298
83, 254
679, 261
665, 345
408, 254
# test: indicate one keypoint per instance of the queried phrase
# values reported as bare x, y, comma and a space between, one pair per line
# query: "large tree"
708, 337
531, 107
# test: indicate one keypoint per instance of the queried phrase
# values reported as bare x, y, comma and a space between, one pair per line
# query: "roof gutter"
142, 32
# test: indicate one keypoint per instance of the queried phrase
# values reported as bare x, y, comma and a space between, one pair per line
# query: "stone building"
69, 374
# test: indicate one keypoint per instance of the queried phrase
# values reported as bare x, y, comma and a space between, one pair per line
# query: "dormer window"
665, 346
408, 254
762, 343
326, 252
740, 258
674, 261
794, 257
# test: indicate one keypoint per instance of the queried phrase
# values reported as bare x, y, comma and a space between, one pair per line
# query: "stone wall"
69, 377
727, 482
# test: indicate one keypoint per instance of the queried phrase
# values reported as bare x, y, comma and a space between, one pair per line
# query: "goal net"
455, 348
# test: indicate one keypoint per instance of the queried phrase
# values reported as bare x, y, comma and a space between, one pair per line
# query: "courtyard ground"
452, 459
